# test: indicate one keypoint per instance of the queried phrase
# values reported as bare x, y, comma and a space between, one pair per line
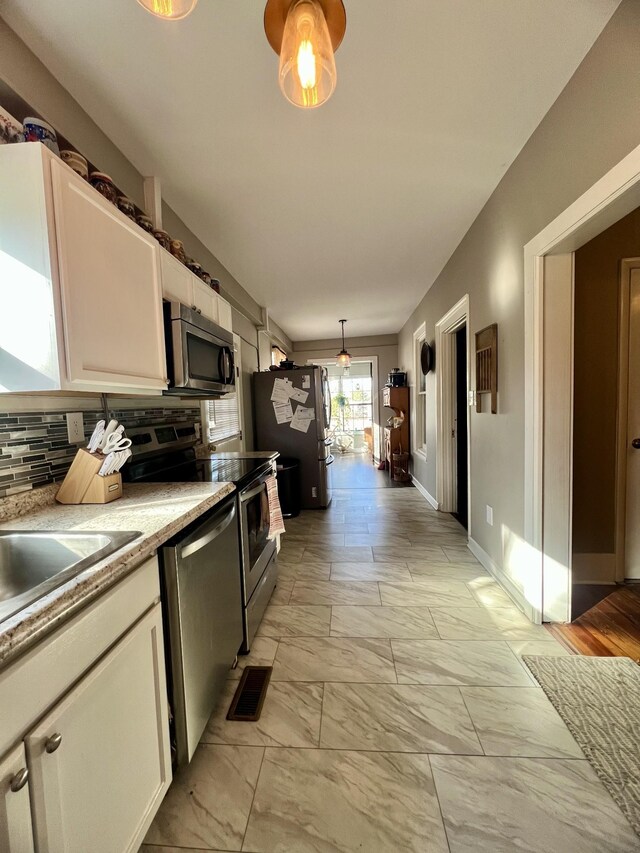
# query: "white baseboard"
505, 582
425, 494
594, 568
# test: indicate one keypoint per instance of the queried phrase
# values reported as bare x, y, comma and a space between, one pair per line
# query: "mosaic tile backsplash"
34, 450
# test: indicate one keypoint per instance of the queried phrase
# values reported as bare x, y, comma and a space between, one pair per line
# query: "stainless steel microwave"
199, 353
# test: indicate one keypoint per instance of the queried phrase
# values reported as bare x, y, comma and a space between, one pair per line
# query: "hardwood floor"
610, 629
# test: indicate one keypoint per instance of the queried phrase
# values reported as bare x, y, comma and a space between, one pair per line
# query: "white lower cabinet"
16, 834
99, 762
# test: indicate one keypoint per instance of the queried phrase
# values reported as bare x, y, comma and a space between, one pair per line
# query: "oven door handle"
246, 496
199, 544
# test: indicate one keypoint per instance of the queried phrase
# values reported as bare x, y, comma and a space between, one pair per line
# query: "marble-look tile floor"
399, 715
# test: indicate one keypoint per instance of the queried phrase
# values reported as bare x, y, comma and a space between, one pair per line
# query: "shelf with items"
396, 434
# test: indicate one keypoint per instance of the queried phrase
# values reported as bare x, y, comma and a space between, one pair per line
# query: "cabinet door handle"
19, 780
53, 743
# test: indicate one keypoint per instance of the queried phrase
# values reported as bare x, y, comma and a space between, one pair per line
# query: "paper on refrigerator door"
283, 412
306, 382
302, 418
281, 391
299, 395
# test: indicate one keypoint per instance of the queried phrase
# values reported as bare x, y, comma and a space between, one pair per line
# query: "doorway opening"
460, 433
351, 409
356, 424
453, 484
540, 568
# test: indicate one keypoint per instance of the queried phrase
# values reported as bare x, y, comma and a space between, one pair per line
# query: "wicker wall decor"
487, 366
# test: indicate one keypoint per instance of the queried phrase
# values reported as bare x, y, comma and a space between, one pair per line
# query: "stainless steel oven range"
257, 551
166, 454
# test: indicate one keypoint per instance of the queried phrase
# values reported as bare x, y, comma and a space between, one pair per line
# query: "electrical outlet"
75, 427
490, 515
471, 398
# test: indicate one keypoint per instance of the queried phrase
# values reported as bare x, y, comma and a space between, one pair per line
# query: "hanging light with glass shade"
305, 34
170, 10
343, 359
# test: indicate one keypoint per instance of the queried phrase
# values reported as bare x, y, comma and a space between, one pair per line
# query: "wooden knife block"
82, 485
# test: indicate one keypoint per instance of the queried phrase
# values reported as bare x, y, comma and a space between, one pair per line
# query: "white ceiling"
348, 211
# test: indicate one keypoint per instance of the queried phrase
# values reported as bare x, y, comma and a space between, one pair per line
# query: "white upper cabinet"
224, 315
110, 287
179, 284
205, 300
80, 281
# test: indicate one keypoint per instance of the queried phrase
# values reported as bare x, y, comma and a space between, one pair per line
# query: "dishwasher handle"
209, 536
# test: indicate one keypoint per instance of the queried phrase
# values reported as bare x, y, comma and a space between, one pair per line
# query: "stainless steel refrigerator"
292, 411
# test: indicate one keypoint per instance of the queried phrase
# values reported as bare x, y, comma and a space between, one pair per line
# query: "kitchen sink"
33, 562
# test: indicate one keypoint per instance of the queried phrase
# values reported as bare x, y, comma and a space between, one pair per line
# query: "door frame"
375, 397
610, 198
446, 463
626, 266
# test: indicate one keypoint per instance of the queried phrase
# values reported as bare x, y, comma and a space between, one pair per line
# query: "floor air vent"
248, 700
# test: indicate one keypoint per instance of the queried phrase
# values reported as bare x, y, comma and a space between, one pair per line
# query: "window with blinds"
223, 419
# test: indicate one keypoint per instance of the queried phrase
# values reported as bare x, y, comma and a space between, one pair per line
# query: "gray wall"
594, 123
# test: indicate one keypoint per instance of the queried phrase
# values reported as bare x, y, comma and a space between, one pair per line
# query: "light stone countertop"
157, 510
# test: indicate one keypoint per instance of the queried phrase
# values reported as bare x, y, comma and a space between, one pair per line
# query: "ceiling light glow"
305, 34
170, 10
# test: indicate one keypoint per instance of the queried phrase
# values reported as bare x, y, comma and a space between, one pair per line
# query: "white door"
632, 443
100, 761
109, 274
16, 835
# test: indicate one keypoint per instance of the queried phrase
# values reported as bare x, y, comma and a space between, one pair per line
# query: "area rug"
599, 700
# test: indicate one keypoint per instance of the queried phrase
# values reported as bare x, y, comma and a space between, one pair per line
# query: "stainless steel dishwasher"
203, 603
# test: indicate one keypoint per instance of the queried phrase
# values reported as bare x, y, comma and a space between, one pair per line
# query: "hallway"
357, 471
399, 716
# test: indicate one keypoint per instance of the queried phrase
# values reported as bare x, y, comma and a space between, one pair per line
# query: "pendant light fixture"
305, 34
343, 359
170, 10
